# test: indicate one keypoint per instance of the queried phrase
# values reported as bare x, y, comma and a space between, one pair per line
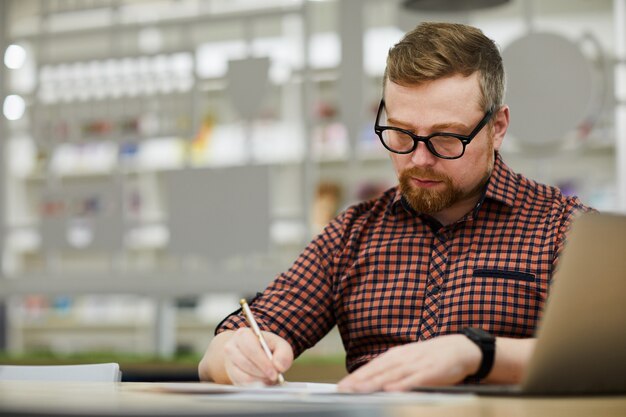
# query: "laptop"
581, 338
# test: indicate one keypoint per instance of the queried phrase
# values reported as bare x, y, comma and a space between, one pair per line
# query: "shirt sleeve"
571, 210
298, 304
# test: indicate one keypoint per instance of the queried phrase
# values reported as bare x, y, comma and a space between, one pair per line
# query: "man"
441, 279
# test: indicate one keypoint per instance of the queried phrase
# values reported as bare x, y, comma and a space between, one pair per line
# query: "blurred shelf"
160, 284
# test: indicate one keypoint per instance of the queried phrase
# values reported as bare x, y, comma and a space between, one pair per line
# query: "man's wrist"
486, 342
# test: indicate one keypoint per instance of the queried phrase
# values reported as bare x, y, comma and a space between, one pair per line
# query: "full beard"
430, 201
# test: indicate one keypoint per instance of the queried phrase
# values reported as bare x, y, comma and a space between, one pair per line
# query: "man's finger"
250, 347
383, 377
281, 351
392, 359
241, 361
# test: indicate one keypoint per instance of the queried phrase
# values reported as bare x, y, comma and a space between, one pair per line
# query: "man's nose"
422, 156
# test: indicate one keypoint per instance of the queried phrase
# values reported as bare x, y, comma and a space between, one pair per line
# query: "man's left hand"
444, 360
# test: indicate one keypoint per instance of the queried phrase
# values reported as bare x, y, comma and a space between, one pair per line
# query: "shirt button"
435, 290
444, 236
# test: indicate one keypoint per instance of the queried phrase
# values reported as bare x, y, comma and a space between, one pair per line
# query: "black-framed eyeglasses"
441, 144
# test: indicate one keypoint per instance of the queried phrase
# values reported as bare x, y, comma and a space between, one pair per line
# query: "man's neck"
457, 211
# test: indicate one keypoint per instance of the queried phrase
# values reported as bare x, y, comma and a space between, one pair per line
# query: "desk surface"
139, 399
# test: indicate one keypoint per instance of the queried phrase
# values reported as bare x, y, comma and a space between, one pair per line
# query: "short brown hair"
437, 50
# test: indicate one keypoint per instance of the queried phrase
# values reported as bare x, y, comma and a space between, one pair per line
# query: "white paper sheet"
304, 392
212, 388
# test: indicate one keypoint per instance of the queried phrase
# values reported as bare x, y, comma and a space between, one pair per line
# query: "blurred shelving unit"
133, 171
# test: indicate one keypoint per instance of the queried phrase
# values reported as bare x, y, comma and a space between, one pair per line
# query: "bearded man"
443, 278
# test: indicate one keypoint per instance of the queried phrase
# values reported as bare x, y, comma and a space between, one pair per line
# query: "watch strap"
487, 344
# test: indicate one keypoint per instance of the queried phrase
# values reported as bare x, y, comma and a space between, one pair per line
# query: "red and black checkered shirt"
387, 276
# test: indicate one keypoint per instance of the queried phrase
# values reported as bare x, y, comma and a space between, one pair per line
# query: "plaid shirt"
386, 275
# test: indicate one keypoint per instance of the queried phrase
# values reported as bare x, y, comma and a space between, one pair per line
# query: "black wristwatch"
487, 344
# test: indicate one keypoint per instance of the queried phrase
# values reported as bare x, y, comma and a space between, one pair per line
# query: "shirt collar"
399, 202
502, 187
503, 183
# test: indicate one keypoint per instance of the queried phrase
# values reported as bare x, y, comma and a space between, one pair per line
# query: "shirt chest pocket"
505, 301
503, 274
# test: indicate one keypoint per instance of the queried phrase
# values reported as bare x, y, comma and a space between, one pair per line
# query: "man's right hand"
236, 357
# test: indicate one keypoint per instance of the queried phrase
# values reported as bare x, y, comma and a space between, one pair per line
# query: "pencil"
255, 328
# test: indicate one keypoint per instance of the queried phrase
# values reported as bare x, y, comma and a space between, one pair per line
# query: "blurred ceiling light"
14, 56
14, 107
450, 5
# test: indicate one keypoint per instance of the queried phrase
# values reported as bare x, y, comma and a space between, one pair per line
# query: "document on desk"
303, 392
213, 388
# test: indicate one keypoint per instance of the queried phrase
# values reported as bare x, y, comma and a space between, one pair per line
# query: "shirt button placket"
437, 270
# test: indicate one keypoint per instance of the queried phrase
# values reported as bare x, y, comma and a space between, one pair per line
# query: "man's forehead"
453, 95
457, 85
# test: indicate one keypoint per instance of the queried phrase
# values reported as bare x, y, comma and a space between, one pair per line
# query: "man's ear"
500, 126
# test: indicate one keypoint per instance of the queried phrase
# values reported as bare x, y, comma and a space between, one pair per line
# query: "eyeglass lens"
447, 146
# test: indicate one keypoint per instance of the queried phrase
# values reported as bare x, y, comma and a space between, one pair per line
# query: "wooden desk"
142, 399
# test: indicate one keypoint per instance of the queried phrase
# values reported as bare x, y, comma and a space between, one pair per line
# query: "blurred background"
163, 158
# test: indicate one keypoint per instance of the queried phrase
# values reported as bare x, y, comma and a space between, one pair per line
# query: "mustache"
424, 174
